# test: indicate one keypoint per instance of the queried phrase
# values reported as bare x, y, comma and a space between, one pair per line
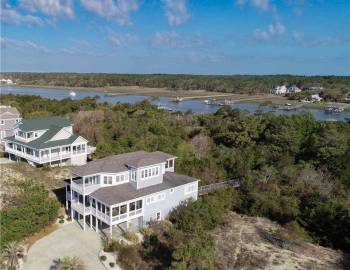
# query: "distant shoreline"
191, 94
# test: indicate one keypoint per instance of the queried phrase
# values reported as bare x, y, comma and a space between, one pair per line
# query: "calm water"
194, 105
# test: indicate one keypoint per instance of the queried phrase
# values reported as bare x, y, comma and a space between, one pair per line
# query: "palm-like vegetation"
71, 263
10, 253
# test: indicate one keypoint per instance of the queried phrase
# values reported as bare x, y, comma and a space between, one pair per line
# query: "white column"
97, 221
71, 197
83, 203
90, 220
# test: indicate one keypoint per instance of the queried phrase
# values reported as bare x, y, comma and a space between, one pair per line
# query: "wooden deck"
215, 186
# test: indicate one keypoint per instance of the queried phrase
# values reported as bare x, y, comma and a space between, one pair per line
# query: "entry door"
158, 216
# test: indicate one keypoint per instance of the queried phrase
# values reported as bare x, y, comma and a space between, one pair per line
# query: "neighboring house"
347, 97
49, 141
293, 89
9, 117
279, 90
133, 188
6, 81
316, 97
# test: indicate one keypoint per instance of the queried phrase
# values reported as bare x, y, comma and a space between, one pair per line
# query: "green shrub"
61, 221
103, 258
111, 264
34, 210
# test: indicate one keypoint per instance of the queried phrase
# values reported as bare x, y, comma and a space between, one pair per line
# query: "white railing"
80, 208
126, 216
88, 188
100, 215
21, 154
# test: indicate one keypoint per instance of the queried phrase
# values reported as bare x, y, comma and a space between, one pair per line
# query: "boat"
72, 94
210, 102
164, 108
287, 107
334, 109
177, 99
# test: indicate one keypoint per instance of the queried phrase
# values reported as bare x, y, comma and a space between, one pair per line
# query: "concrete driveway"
69, 240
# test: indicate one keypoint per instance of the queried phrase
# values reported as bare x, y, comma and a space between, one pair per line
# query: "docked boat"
334, 109
72, 94
178, 99
164, 108
288, 107
210, 102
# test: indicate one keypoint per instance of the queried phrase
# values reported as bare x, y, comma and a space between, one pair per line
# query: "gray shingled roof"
43, 141
120, 163
43, 123
7, 112
125, 192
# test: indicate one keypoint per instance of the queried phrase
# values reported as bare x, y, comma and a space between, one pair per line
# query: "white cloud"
21, 44
272, 31
118, 11
263, 5
120, 39
174, 40
11, 15
55, 8
312, 41
176, 11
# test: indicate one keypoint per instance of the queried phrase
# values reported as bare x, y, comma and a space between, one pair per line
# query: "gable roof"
43, 123
7, 112
120, 163
125, 192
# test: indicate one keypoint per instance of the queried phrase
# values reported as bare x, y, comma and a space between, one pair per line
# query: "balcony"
77, 185
80, 208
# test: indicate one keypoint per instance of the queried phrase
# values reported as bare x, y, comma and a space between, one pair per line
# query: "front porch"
114, 231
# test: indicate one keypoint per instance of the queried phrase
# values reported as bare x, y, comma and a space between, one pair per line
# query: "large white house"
279, 90
293, 89
9, 117
127, 189
49, 141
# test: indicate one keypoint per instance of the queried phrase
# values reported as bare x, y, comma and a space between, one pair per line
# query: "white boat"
72, 94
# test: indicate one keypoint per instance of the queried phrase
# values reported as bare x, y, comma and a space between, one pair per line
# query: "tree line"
244, 84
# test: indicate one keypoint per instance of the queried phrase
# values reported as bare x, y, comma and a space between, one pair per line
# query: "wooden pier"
215, 186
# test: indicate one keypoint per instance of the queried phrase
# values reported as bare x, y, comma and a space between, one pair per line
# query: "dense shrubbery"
31, 210
293, 169
335, 86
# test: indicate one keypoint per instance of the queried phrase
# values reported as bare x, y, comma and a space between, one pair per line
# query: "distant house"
316, 98
49, 141
279, 90
9, 117
6, 81
293, 89
347, 97
127, 189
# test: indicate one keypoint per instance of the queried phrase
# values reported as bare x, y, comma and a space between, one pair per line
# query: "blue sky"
308, 37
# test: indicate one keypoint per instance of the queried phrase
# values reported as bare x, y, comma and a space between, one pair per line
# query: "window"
110, 180
103, 208
155, 198
105, 180
158, 216
107, 211
139, 204
35, 134
171, 190
93, 203
98, 206
171, 163
149, 172
123, 209
191, 188
2, 122
115, 211
132, 206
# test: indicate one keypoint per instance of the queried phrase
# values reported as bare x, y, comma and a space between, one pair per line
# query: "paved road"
69, 240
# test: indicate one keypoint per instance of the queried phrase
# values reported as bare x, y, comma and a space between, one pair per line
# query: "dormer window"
2, 122
149, 172
36, 134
